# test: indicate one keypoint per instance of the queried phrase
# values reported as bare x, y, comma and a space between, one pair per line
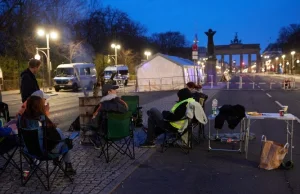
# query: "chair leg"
163, 145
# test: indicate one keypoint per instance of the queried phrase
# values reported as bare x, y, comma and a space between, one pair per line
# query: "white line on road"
262, 90
278, 103
269, 95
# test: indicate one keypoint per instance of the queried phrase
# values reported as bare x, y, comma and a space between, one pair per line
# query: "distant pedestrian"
29, 83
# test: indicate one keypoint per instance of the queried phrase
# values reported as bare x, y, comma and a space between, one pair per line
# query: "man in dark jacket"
110, 102
172, 120
29, 83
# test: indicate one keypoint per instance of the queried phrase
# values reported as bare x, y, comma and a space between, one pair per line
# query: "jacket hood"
184, 94
108, 97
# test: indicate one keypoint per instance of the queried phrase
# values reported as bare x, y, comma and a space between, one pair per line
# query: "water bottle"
214, 106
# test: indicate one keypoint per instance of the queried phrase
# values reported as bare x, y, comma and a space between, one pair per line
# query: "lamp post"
276, 65
265, 66
147, 53
284, 65
292, 53
116, 47
53, 35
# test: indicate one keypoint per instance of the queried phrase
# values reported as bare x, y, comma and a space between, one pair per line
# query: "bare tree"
168, 40
289, 37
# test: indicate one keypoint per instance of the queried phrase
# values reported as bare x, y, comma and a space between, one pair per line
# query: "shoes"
96, 142
148, 144
69, 169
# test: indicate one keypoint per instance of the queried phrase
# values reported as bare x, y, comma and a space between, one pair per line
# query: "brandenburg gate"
237, 48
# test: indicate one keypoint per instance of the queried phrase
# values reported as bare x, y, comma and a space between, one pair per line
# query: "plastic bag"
272, 154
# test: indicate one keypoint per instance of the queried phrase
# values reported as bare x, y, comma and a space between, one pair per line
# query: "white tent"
164, 72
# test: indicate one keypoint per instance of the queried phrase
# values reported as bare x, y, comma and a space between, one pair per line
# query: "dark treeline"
86, 30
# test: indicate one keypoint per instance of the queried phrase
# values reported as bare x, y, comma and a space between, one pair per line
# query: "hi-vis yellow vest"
179, 124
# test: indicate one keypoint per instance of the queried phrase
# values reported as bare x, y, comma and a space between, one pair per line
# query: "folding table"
287, 118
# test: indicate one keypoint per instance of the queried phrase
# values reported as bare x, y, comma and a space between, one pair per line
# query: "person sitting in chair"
171, 120
197, 92
110, 102
30, 119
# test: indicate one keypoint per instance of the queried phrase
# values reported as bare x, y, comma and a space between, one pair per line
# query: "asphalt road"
225, 172
202, 171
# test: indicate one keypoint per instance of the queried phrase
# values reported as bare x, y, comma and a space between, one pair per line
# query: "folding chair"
133, 103
8, 148
119, 128
184, 136
203, 98
36, 155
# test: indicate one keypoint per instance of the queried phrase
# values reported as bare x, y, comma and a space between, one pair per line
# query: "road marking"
269, 95
278, 103
262, 90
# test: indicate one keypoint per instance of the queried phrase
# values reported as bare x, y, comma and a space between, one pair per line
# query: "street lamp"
276, 65
116, 47
53, 35
147, 53
266, 57
284, 66
292, 53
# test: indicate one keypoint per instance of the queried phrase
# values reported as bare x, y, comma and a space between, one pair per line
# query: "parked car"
74, 76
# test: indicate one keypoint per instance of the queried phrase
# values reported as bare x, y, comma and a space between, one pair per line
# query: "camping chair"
8, 148
35, 156
203, 98
119, 136
173, 136
133, 103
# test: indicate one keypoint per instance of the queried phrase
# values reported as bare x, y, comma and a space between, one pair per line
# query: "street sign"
195, 57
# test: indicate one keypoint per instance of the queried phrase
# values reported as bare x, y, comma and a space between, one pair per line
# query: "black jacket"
114, 105
179, 112
28, 84
232, 114
198, 95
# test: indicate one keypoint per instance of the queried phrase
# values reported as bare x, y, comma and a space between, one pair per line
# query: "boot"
69, 169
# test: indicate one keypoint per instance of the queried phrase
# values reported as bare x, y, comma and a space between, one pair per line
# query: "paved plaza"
94, 175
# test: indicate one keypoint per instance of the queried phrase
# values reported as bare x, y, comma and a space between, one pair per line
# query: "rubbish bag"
272, 154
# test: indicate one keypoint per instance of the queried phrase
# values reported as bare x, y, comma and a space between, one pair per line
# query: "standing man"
29, 83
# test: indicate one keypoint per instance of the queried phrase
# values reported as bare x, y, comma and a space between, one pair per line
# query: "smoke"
85, 53
75, 51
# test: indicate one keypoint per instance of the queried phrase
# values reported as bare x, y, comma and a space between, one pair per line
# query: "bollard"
227, 85
253, 85
241, 81
211, 81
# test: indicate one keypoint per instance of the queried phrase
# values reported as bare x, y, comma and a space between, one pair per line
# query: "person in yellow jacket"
171, 120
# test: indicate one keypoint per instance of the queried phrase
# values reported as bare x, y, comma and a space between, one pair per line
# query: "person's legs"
155, 126
62, 148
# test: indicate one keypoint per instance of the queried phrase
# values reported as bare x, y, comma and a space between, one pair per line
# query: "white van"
120, 72
74, 76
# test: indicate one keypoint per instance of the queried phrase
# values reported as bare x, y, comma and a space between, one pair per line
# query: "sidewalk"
94, 175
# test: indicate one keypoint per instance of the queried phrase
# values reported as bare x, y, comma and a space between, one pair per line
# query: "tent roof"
177, 60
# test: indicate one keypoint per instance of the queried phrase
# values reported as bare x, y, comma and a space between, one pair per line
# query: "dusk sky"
256, 21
